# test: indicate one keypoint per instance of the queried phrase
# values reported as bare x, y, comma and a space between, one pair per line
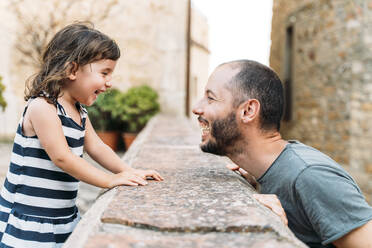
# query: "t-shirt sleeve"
332, 201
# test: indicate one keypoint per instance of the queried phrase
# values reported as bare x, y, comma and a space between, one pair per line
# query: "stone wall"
152, 35
331, 78
199, 204
199, 57
361, 98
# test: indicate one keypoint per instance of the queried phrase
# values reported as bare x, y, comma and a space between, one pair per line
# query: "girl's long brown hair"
79, 43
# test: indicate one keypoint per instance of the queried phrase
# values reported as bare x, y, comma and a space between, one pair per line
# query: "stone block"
368, 168
366, 106
200, 203
131, 237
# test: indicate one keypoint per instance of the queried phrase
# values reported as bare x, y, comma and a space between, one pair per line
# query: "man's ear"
71, 70
249, 110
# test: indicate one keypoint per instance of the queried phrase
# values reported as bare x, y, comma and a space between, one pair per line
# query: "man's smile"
204, 126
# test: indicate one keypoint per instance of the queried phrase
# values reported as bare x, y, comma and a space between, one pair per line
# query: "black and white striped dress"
37, 201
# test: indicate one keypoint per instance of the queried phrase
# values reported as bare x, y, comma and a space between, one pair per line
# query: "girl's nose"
108, 84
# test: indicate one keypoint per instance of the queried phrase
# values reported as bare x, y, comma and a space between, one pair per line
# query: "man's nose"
197, 109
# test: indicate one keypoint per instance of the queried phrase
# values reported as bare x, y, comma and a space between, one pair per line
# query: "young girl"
37, 202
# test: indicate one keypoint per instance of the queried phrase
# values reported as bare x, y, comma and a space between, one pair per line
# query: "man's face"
217, 117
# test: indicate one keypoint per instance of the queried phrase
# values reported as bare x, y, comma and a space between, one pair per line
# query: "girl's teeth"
205, 129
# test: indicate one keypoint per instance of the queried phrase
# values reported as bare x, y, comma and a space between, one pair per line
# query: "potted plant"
2, 99
135, 108
106, 126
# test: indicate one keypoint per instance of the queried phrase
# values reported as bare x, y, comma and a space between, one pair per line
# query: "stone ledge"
199, 204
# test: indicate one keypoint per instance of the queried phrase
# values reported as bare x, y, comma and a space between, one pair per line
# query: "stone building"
164, 44
323, 52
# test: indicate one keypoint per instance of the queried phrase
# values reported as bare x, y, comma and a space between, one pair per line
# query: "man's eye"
210, 98
105, 73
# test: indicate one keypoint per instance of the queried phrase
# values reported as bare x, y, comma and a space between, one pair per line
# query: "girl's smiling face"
88, 81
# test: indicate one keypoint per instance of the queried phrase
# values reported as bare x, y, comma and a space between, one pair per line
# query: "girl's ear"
249, 110
71, 70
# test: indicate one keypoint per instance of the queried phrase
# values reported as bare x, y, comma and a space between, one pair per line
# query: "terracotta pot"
128, 139
110, 138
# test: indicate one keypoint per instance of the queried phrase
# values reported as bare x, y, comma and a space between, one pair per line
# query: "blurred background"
321, 50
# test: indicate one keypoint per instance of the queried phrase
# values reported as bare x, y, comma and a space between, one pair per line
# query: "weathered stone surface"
190, 202
199, 204
369, 168
122, 237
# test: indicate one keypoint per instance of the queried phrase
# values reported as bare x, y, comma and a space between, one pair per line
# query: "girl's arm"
100, 152
106, 157
48, 128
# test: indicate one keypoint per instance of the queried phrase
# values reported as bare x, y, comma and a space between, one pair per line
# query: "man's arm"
335, 206
250, 179
272, 202
358, 238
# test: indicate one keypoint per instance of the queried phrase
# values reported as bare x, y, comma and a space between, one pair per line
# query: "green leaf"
130, 110
3, 103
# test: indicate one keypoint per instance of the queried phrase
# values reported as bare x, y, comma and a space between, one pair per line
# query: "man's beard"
225, 133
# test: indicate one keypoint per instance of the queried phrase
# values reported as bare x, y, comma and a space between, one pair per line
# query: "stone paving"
87, 193
199, 204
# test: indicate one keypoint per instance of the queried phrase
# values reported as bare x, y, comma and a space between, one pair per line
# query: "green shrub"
2, 99
100, 112
136, 107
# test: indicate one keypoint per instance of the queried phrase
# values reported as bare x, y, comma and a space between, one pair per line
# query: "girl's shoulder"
40, 105
39, 117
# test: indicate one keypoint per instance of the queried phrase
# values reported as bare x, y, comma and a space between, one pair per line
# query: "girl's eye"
210, 98
105, 73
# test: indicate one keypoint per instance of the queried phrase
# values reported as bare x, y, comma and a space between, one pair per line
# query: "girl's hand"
133, 177
145, 174
126, 178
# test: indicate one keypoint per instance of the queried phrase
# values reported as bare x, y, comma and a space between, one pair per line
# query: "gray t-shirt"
321, 200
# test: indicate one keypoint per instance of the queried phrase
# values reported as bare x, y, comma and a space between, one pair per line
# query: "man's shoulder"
309, 156
317, 167
304, 161
297, 159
